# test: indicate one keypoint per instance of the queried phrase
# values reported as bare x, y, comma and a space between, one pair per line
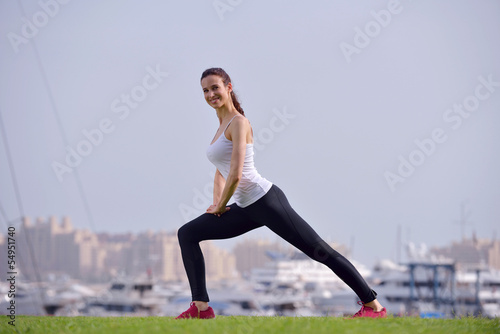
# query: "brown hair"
226, 80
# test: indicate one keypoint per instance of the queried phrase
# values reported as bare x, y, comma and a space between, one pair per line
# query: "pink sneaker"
194, 313
368, 312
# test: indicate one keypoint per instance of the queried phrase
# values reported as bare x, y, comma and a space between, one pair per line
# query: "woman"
258, 203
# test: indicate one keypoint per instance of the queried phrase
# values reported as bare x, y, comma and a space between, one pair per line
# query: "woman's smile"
214, 100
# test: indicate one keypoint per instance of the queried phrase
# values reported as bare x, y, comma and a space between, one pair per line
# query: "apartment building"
52, 247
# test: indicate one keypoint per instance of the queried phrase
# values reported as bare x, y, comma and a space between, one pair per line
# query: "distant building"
156, 255
117, 250
220, 264
48, 247
472, 253
251, 253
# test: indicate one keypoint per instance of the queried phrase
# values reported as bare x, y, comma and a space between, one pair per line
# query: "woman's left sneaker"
194, 313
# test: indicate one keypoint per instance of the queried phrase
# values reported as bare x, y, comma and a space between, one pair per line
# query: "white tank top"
252, 186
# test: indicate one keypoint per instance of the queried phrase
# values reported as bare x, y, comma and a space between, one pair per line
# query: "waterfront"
293, 286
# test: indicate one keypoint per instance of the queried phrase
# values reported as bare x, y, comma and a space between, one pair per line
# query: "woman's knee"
183, 233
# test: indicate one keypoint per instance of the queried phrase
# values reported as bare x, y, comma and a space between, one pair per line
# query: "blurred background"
378, 119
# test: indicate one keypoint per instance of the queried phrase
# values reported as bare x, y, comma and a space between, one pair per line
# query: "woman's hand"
215, 210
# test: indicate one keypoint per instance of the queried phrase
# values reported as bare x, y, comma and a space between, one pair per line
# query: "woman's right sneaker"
368, 312
194, 313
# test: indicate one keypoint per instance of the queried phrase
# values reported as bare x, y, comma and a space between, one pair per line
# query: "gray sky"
338, 94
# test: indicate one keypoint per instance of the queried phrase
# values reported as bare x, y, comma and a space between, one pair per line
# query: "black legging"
273, 211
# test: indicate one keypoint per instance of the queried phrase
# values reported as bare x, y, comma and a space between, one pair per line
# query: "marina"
286, 286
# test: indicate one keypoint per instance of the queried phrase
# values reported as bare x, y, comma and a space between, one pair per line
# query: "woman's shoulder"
241, 120
239, 124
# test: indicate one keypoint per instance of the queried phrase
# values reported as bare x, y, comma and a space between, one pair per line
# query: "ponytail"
236, 103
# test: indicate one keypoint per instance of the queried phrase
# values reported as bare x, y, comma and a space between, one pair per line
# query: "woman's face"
216, 94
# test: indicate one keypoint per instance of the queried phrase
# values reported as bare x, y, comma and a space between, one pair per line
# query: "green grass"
247, 325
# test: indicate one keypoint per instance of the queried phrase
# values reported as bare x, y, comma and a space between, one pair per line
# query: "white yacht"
299, 268
125, 296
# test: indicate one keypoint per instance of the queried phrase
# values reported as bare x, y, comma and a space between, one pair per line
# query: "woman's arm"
238, 135
219, 183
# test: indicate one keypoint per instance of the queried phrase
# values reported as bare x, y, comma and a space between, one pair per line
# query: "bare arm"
219, 183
